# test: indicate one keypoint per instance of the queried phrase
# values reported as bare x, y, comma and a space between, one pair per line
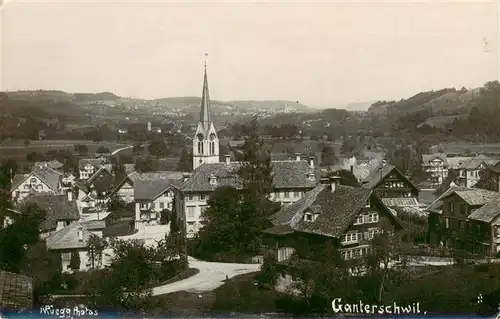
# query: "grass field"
464, 148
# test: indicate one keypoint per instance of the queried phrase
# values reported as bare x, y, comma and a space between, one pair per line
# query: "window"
359, 220
169, 205
287, 194
26, 186
349, 238
200, 147
450, 207
296, 194
367, 204
162, 205
190, 211
278, 194
144, 205
190, 197
308, 217
33, 180
371, 218
343, 254
498, 231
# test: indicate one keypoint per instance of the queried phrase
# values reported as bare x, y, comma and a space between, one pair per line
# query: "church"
292, 178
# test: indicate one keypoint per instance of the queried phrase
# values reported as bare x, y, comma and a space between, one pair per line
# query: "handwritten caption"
361, 308
70, 313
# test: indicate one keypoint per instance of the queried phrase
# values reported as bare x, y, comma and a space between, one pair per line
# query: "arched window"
212, 148
200, 147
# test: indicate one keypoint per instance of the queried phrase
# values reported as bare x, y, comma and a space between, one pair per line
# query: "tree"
74, 262
115, 204
185, 163
137, 149
158, 147
452, 177
23, 232
256, 175
102, 150
220, 236
488, 180
117, 167
174, 221
126, 285
328, 157
165, 216
6, 175
268, 271
96, 246
144, 165
81, 149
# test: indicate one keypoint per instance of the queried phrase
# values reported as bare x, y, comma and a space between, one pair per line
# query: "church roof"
205, 117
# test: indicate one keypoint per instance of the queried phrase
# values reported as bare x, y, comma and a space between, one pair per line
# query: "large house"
40, 180
437, 165
394, 188
467, 218
292, 178
61, 210
469, 171
346, 217
153, 193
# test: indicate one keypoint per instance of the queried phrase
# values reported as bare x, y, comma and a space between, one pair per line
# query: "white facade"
32, 184
87, 171
438, 170
147, 211
470, 177
126, 192
205, 146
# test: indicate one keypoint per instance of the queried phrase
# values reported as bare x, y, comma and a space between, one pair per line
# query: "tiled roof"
287, 174
67, 238
437, 205
456, 161
122, 228
48, 176
477, 196
427, 158
82, 186
400, 202
54, 164
286, 214
150, 185
475, 162
16, 291
279, 230
18, 180
336, 211
488, 212
57, 208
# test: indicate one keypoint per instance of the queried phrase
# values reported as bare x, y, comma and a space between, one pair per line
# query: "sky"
318, 53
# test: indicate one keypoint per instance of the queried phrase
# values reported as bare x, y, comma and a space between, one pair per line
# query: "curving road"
211, 276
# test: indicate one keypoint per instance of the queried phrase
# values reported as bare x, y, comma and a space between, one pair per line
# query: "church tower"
205, 141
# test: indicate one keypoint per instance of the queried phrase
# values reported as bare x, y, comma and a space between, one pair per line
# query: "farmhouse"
40, 180
467, 218
346, 218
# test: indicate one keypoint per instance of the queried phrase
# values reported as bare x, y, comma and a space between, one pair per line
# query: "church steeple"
205, 117
205, 141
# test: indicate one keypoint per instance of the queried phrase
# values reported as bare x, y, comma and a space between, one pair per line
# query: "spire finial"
206, 57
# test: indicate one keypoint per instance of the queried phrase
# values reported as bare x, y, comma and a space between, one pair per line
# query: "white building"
469, 171
437, 165
40, 180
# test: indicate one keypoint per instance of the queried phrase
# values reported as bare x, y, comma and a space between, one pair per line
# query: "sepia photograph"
272, 159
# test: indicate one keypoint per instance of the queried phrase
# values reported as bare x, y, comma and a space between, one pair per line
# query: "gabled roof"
377, 175
475, 162
54, 164
148, 186
287, 174
437, 205
16, 291
336, 211
57, 208
477, 196
48, 176
427, 158
67, 238
488, 212
95, 224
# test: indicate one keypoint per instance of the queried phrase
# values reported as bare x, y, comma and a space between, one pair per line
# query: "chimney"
310, 176
228, 158
334, 182
311, 162
297, 157
70, 196
80, 233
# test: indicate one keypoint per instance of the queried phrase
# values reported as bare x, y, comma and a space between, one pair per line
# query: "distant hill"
441, 101
60, 96
359, 106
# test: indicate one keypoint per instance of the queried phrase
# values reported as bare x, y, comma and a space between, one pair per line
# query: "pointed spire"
205, 118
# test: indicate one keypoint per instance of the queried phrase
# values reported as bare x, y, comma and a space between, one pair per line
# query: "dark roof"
475, 162
126, 213
96, 162
57, 208
477, 196
122, 228
427, 158
279, 230
148, 186
488, 212
336, 211
16, 291
287, 174
96, 224
379, 174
